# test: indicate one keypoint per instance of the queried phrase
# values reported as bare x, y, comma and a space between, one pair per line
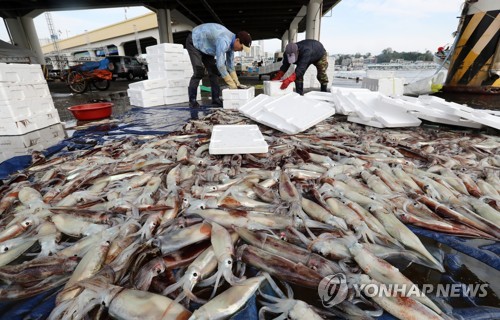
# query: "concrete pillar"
121, 50
313, 19
165, 25
16, 32
292, 35
284, 41
294, 25
30, 30
23, 33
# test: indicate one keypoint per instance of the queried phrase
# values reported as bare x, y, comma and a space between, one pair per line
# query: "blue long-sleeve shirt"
216, 40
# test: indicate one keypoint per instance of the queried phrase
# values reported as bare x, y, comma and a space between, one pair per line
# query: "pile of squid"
154, 227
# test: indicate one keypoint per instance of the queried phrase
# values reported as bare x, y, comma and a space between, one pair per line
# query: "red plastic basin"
92, 111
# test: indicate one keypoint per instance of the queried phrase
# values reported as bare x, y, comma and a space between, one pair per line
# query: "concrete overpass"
264, 19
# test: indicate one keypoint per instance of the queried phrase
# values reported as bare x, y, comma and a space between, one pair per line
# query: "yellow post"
474, 61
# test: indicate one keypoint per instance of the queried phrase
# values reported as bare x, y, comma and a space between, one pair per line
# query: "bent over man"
212, 46
303, 54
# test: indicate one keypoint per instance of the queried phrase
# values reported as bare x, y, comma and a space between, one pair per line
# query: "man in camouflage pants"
303, 54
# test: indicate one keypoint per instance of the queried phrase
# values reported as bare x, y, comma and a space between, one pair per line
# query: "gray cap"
292, 52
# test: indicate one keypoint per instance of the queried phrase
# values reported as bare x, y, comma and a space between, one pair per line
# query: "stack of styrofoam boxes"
169, 73
25, 101
310, 80
273, 88
389, 86
235, 98
38, 140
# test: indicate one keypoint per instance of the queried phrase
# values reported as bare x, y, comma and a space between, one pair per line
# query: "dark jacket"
310, 51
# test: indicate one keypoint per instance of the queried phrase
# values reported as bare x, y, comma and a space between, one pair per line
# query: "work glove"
285, 83
230, 82
242, 86
234, 76
278, 75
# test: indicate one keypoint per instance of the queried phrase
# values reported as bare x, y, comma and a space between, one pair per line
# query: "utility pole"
53, 37
137, 41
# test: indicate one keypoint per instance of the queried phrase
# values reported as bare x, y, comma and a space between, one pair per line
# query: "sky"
353, 26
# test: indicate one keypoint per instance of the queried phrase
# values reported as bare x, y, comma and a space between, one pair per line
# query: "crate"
167, 75
176, 99
11, 73
11, 127
272, 88
47, 136
238, 94
146, 103
175, 91
145, 94
22, 92
234, 104
165, 48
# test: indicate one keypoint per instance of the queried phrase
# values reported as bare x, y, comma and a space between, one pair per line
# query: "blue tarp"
161, 120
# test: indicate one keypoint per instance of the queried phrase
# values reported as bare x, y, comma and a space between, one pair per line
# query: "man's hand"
234, 76
230, 82
242, 86
285, 83
278, 75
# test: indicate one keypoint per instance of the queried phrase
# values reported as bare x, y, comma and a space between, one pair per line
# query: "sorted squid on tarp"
161, 225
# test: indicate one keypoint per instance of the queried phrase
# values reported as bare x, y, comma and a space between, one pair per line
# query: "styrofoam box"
168, 66
234, 104
237, 139
165, 47
151, 102
145, 94
176, 99
238, 94
177, 91
22, 109
10, 152
22, 92
166, 56
167, 75
147, 84
9, 127
272, 88
173, 83
46, 136
21, 74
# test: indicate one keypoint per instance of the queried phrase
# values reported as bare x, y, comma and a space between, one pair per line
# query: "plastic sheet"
487, 254
136, 122
161, 120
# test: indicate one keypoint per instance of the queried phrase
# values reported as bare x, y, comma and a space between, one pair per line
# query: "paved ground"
117, 93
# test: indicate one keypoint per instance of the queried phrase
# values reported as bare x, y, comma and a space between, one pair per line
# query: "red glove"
287, 81
278, 75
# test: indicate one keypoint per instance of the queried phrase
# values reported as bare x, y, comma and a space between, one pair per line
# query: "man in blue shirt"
212, 46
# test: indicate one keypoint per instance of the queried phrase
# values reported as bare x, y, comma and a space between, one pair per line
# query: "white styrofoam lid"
299, 111
237, 139
372, 123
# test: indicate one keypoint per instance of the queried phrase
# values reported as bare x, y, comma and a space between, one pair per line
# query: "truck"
271, 68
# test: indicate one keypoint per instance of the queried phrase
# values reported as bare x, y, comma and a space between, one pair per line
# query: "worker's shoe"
194, 104
324, 87
299, 87
192, 91
216, 101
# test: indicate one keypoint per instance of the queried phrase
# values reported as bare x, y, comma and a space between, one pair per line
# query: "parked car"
127, 67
